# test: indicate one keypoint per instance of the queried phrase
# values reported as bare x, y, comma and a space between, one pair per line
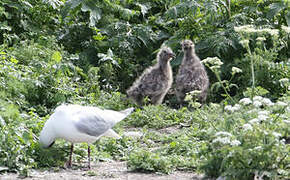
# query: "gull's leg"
69, 162
89, 157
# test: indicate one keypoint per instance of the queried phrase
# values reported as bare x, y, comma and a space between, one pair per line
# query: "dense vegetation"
89, 52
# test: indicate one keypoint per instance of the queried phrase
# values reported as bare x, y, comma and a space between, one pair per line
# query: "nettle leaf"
125, 13
108, 57
287, 17
73, 3
182, 9
70, 5
54, 3
144, 34
275, 8
95, 12
4, 26
144, 8
56, 57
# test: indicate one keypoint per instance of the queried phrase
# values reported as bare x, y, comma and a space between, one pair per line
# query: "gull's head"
46, 138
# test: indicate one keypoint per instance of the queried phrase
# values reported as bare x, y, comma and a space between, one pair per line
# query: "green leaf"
287, 17
70, 5
144, 8
95, 12
73, 3
54, 3
56, 57
13, 60
4, 26
275, 8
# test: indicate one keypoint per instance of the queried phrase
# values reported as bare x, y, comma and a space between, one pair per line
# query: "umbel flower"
212, 62
236, 70
225, 138
245, 101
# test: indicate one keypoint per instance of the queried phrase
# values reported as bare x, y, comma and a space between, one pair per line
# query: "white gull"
76, 123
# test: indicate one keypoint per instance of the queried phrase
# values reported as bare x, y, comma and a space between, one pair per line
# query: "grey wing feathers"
93, 125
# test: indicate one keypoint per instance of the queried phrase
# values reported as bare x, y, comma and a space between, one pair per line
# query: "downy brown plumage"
191, 75
155, 81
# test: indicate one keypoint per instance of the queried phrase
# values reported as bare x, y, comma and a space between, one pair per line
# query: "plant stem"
219, 79
229, 7
252, 71
253, 78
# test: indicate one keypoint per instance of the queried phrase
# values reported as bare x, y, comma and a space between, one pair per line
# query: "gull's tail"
127, 111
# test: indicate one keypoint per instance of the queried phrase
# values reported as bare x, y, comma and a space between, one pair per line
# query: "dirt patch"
170, 130
103, 170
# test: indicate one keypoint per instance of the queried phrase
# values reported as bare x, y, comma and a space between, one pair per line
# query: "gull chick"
77, 124
191, 74
155, 81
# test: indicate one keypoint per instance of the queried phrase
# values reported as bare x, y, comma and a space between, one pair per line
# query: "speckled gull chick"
76, 123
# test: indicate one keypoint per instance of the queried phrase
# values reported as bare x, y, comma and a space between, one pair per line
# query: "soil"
103, 170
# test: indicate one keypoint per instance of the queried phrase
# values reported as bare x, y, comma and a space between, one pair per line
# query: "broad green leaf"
110, 53
56, 57
275, 8
54, 3
4, 26
13, 60
144, 8
70, 5
73, 3
95, 12
287, 17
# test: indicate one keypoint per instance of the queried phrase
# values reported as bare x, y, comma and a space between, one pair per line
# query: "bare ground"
103, 170
113, 170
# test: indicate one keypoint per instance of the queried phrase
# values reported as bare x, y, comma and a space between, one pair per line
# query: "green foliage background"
89, 52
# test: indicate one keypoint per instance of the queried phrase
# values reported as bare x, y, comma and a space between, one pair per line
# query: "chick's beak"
172, 55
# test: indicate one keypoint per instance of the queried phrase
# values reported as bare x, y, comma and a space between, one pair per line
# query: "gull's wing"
95, 121
92, 124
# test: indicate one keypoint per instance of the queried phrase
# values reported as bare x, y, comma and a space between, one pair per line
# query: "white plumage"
77, 124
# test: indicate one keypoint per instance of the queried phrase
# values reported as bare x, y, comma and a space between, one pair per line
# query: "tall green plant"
262, 46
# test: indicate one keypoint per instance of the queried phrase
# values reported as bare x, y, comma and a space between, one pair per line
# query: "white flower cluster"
247, 127
262, 116
223, 133
277, 135
280, 103
265, 112
258, 101
234, 108
272, 32
254, 121
212, 62
284, 80
246, 29
249, 29
286, 29
225, 139
245, 43
245, 101
236, 70
214, 105
288, 109
261, 39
